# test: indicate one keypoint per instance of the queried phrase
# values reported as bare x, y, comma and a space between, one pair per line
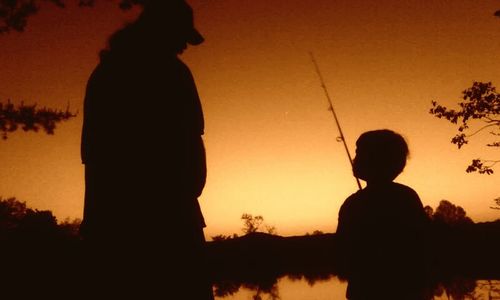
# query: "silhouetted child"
381, 227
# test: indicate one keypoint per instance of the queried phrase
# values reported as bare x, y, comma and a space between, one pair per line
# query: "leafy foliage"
14, 14
30, 118
222, 237
449, 214
70, 228
11, 214
481, 166
252, 224
38, 250
481, 103
226, 289
260, 289
497, 202
315, 232
429, 211
20, 223
15, 213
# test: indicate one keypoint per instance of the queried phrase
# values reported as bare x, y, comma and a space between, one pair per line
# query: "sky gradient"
270, 139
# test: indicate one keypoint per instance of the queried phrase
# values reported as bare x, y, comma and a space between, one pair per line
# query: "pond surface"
293, 289
287, 288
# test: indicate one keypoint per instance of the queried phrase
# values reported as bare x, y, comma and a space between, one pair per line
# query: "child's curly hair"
380, 155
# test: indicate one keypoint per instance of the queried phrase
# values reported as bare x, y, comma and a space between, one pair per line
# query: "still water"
288, 288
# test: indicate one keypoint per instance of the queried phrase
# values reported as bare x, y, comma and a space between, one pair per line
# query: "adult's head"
164, 26
380, 156
172, 18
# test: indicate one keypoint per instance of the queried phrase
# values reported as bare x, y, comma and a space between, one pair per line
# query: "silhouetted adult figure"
145, 160
381, 228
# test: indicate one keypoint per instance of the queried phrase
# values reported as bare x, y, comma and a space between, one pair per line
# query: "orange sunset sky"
270, 139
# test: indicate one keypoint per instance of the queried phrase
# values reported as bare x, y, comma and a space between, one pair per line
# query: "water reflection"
258, 289
292, 287
272, 267
295, 287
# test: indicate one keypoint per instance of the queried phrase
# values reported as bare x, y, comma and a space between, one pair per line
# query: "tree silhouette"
226, 288
18, 221
222, 237
497, 203
12, 212
459, 289
271, 291
30, 118
36, 252
38, 227
450, 214
481, 103
14, 14
429, 211
70, 228
252, 224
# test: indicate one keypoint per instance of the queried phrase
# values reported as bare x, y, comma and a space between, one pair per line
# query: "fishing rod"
334, 114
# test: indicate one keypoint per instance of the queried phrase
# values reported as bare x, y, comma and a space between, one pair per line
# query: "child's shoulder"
392, 190
352, 201
404, 189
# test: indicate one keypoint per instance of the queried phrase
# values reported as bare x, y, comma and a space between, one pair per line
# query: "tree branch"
481, 129
30, 118
481, 102
14, 14
491, 120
